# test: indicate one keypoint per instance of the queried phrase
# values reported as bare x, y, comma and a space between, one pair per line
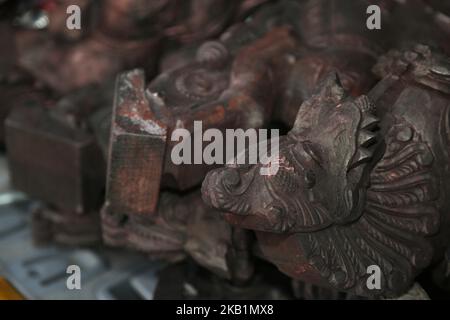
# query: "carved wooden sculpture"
50, 225
73, 187
229, 84
55, 151
361, 181
183, 226
120, 35
92, 59
210, 89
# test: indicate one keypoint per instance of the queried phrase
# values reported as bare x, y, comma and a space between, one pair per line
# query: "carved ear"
328, 95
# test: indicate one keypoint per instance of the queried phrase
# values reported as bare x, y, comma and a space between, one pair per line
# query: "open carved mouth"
331, 158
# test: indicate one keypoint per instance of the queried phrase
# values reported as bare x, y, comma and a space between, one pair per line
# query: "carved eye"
275, 214
231, 178
310, 179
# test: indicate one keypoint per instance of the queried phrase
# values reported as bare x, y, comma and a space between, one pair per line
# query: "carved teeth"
369, 122
366, 138
362, 155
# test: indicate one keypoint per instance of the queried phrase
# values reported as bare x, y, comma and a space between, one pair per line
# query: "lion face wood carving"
360, 181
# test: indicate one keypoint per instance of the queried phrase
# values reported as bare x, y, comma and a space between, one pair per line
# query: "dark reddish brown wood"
52, 154
90, 59
361, 181
208, 89
183, 226
50, 225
